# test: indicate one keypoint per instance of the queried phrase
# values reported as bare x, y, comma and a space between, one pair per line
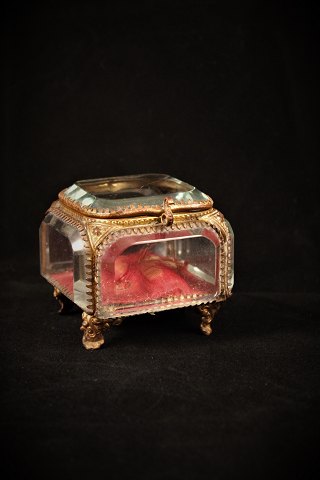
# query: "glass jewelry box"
128, 245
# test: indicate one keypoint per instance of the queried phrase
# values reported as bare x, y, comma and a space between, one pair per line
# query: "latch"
166, 217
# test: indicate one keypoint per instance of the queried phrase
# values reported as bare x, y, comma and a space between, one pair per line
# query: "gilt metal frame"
98, 228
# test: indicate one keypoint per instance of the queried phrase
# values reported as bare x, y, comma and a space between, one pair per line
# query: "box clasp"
166, 217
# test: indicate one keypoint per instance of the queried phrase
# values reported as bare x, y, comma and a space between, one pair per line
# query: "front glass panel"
138, 272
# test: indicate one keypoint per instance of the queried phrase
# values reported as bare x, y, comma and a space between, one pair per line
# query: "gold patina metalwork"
208, 312
133, 210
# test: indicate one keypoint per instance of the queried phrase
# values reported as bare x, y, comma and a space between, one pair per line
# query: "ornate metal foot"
93, 329
208, 312
65, 305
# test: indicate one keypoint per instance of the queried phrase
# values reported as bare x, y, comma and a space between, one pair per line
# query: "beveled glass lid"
133, 195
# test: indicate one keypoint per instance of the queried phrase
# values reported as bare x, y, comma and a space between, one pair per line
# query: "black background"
224, 96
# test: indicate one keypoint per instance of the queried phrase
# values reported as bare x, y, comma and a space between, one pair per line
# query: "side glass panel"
230, 257
63, 258
144, 270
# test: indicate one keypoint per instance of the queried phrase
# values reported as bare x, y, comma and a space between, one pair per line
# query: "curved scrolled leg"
208, 312
93, 329
65, 304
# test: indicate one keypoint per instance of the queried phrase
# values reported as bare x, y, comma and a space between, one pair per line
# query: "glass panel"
131, 186
146, 190
140, 271
63, 258
59, 260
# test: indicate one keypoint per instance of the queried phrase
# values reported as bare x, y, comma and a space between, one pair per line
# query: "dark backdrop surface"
226, 98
